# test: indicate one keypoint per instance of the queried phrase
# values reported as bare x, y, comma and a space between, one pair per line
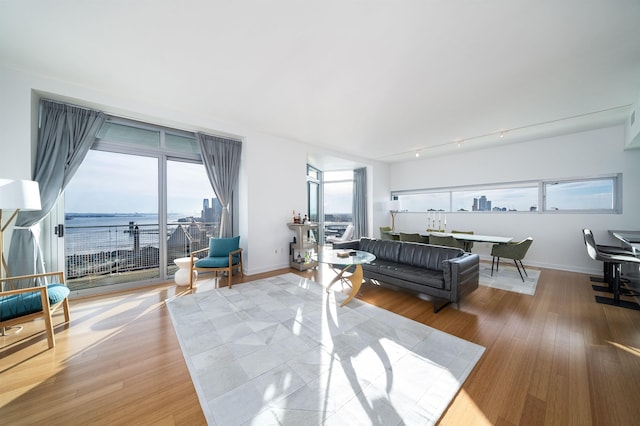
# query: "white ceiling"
379, 79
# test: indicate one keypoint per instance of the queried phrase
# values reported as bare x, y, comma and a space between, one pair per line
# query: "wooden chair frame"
47, 310
228, 269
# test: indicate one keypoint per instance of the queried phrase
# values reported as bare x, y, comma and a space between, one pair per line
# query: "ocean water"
92, 233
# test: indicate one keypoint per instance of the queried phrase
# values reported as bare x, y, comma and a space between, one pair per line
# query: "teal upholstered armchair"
46, 292
224, 255
515, 251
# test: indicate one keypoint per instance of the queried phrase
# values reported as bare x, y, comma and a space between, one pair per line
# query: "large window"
140, 199
338, 201
590, 195
599, 194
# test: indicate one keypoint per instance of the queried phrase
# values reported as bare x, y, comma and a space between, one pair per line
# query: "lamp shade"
19, 194
394, 205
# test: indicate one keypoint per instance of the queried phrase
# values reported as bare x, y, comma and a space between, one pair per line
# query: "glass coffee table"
353, 258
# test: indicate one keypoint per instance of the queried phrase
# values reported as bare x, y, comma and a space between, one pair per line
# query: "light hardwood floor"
554, 358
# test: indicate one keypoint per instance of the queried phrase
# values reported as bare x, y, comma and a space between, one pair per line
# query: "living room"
596, 142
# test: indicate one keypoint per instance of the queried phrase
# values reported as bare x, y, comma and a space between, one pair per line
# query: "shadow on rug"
508, 278
281, 351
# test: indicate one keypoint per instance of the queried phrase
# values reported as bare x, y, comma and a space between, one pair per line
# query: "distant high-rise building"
211, 214
481, 204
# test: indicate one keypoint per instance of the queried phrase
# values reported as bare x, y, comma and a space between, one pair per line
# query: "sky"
109, 182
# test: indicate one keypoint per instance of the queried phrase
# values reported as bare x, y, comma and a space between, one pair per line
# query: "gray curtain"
360, 203
221, 158
65, 135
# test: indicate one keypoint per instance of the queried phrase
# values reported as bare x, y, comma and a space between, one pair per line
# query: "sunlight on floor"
630, 349
472, 414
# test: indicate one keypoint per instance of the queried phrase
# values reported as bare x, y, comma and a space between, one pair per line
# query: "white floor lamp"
15, 195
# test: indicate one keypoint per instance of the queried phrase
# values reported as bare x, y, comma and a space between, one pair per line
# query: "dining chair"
446, 241
385, 233
468, 245
607, 267
515, 251
414, 238
616, 261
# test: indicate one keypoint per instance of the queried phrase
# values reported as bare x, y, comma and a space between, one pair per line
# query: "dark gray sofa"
444, 273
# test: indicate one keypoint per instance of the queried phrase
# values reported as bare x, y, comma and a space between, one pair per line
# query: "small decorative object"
343, 254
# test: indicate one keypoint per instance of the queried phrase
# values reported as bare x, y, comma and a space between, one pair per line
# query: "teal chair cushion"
222, 246
216, 262
18, 305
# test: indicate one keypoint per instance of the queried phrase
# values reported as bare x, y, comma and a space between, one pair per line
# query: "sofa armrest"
465, 274
353, 245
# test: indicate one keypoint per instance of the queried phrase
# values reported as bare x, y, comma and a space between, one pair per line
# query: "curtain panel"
360, 223
65, 135
221, 158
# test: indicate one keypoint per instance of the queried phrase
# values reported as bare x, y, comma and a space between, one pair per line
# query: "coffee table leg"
337, 278
356, 282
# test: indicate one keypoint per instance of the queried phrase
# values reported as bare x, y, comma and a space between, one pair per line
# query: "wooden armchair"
224, 255
19, 305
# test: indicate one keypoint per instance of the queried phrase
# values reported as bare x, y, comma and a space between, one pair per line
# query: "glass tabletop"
351, 257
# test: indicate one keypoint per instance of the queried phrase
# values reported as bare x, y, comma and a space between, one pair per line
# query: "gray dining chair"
515, 251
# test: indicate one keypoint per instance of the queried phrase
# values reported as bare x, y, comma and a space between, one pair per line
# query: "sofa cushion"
427, 256
382, 249
416, 274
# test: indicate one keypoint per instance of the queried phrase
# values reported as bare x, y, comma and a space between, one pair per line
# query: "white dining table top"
474, 237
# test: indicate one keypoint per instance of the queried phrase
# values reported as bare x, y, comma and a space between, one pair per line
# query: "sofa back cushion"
382, 249
427, 256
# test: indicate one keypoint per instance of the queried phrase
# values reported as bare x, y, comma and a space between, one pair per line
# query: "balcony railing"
105, 255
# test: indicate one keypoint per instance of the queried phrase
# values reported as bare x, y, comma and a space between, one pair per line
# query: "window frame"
540, 185
162, 154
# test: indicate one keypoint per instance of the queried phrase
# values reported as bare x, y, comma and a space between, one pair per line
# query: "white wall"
272, 181
272, 178
558, 241
273, 170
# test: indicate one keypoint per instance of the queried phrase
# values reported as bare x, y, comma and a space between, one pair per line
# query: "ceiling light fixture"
502, 133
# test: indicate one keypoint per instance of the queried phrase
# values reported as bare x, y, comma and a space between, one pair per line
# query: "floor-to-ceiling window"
140, 199
338, 201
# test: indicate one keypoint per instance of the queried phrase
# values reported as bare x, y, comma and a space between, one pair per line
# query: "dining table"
477, 238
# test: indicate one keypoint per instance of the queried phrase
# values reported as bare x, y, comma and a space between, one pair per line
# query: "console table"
302, 251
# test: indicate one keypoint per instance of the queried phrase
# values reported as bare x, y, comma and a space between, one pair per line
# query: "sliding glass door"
140, 200
111, 226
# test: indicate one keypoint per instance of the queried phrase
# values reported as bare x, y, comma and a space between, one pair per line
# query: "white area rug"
282, 351
508, 278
